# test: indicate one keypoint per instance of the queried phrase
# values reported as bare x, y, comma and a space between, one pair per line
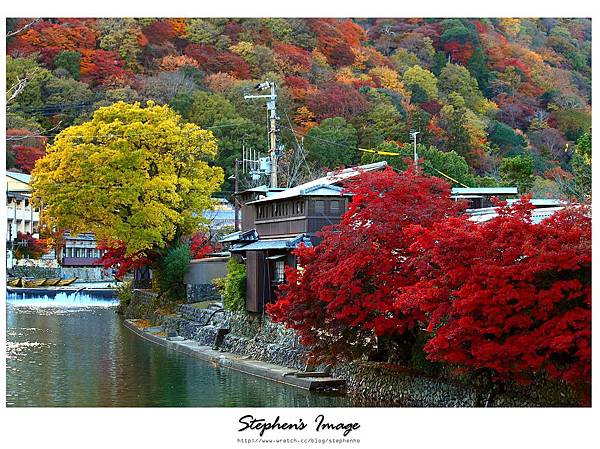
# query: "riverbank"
372, 383
317, 381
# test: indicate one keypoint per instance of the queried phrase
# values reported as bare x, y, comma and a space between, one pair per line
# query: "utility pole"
271, 107
413, 134
236, 203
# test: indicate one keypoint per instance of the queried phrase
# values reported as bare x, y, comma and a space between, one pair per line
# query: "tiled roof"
283, 244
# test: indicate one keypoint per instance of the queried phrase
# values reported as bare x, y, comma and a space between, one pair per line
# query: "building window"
319, 207
334, 207
278, 275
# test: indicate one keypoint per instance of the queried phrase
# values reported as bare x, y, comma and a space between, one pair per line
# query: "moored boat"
17, 282
33, 283
51, 281
65, 282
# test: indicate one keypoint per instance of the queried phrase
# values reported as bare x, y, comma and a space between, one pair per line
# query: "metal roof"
484, 191
326, 181
489, 213
17, 196
541, 202
281, 244
19, 176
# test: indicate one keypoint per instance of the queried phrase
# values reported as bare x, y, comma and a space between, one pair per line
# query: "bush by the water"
172, 269
233, 286
125, 294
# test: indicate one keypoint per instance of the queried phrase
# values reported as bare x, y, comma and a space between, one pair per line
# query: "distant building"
80, 251
20, 214
223, 215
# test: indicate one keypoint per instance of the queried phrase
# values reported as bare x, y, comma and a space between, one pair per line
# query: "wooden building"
276, 221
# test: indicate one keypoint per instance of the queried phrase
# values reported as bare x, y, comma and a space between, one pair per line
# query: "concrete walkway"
264, 370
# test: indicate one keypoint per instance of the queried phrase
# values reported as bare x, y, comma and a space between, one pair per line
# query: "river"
73, 350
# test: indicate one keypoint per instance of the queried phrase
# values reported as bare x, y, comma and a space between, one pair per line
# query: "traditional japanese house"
276, 221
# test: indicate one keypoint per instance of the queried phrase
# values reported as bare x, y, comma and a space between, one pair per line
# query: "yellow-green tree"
135, 175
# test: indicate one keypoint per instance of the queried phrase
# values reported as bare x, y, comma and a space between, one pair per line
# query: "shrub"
233, 286
171, 271
125, 294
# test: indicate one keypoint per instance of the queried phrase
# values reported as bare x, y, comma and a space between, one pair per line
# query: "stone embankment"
254, 337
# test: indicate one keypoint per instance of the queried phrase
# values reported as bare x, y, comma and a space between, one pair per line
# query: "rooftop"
488, 213
462, 191
19, 176
280, 244
325, 182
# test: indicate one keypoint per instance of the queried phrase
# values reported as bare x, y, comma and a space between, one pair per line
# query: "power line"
143, 133
374, 152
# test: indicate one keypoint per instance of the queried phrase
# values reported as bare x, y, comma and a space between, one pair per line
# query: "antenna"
413, 134
271, 108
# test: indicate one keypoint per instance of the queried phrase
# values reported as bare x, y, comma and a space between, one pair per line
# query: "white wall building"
21, 215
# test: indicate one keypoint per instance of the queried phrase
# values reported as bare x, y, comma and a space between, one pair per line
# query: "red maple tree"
28, 247
114, 257
508, 296
201, 246
26, 156
341, 299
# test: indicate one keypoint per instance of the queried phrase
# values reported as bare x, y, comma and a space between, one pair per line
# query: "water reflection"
74, 351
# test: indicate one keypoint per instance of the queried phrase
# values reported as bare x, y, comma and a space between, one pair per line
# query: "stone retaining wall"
372, 383
87, 274
35, 272
141, 306
201, 292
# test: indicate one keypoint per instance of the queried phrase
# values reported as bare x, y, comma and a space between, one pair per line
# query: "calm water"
73, 351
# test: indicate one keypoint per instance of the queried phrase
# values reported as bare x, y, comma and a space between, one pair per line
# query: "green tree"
233, 131
504, 137
422, 84
206, 109
455, 115
443, 164
233, 286
456, 78
171, 271
69, 61
332, 143
518, 171
402, 60
582, 166
382, 122
24, 84
136, 175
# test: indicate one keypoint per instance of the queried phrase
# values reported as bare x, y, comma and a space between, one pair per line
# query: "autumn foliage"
507, 297
201, 246
343, 297
114, 256
28, 247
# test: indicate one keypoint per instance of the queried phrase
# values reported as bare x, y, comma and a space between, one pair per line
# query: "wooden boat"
33, 283
18, 282
65, 282
51, 281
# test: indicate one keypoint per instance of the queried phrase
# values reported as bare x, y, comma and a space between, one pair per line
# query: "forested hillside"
496, 101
